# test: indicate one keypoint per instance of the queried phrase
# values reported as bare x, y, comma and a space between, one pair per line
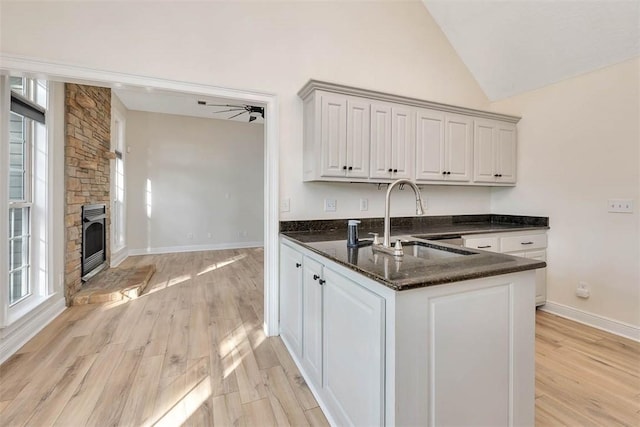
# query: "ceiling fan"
253, 111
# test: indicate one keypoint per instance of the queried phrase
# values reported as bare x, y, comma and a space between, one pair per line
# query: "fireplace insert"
94, 235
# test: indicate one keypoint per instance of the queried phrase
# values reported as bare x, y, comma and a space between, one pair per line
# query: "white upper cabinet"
357, 147
333, 134
356, 135
494, 152
392, 141
443, 146
380, 141
336, 137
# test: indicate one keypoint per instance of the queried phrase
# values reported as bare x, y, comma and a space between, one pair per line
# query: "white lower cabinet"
527, 244
353, 320
291, 298
312, 319
454, 354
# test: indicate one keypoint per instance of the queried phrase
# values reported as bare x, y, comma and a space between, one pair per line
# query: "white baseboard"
194, 248
600, 322
17, 334
118, 257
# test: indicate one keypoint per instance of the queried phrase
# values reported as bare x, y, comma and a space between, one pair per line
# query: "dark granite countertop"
437, 267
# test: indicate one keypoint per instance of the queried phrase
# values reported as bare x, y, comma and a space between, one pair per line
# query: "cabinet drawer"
525, 242
484, 243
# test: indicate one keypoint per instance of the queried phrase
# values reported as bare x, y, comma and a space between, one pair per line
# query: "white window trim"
118, 252
41, 277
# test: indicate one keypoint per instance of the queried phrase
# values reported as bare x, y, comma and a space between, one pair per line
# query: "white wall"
578, 147
202, 175
272, 47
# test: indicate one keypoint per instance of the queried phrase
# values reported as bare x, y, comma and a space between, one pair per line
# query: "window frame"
34, 201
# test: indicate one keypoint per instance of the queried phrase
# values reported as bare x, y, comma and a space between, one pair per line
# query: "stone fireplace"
87, 171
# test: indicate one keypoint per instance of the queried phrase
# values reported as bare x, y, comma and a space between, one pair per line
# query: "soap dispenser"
352, 233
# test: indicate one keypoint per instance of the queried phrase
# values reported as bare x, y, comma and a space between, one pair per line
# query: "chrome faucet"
386, 244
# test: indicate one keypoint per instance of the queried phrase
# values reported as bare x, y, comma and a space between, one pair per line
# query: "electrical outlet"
364, 204
189, 235
582, 291
620, 205
208, 235
330, 205
285, 205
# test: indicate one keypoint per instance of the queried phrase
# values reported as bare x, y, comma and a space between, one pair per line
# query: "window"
118, 190
26, 131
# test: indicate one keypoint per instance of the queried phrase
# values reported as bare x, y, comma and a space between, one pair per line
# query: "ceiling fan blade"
223, 105
237, 115
226, 111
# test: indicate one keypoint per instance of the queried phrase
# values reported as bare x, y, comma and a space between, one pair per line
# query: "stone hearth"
115, 284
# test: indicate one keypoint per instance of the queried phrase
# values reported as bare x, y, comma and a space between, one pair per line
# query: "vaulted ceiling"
513, 46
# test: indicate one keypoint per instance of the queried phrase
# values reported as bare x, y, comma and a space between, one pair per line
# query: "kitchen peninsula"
441, 336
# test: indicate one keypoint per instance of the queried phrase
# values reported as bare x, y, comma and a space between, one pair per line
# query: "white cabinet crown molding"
312, 85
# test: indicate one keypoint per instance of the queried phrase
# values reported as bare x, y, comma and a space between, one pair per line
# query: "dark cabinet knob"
316, 277
499, 175
395, 170
444, 172
390, 170
495, 174
448, 172
350, 168
298, 265
344, 168
321, 281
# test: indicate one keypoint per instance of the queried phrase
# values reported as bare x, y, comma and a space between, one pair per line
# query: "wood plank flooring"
585, 376
192, 352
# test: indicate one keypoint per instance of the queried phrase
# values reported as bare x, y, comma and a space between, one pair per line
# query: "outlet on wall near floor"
189, 235
620, 205
582, 290
364, 204
330, 205
208, 235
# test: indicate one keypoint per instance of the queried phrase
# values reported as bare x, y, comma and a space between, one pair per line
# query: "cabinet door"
458, 154
312, 320
353, 351
403, 136
484, 169
506, 152
291, 298
358, 128
541, 276
430, 149
380, 141
333, 135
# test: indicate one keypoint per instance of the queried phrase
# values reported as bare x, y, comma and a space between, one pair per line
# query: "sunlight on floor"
187, 405
229, 350
174, 281
221, 264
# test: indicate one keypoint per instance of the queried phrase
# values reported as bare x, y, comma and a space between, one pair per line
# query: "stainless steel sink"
431, 251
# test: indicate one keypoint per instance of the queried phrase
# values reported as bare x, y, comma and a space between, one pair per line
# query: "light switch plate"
285, 205
364, 204
620, 205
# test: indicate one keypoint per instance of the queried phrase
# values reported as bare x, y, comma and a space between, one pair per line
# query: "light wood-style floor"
192, 351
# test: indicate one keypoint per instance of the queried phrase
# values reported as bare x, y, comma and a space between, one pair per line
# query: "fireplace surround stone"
87, 170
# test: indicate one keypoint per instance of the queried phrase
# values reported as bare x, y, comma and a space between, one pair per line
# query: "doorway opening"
65, 73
